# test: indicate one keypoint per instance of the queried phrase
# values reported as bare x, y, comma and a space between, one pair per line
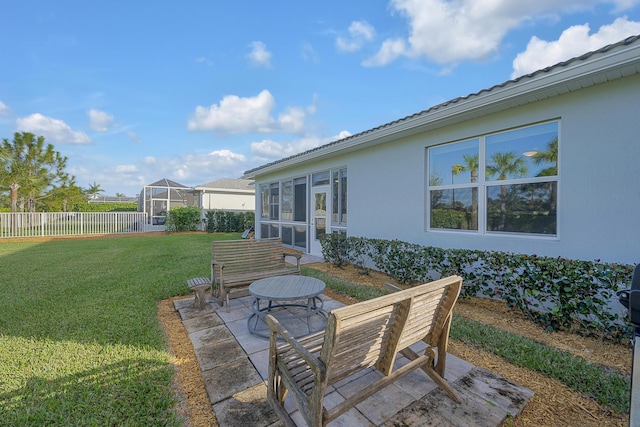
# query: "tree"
471, 165
94, 190
30, 170
66, 198
505, 165
550, 155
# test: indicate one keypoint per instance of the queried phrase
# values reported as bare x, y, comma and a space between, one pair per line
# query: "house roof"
609, 63
229, 184
166, 183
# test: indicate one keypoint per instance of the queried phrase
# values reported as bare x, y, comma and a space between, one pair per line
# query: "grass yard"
79, 337
80, 342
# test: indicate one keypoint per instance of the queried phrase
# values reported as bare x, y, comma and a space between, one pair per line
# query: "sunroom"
301, 208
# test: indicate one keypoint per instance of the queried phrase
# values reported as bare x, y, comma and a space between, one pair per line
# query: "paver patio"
234, 366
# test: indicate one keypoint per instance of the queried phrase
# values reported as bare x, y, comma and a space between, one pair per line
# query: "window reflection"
455, 209
515, 172
523, 153
525, 208
454, 163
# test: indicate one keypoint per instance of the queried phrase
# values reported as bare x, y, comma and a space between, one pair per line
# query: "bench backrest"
249, 254
370, 333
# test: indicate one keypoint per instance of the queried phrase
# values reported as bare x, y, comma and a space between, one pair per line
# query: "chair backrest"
256, 254
370, 333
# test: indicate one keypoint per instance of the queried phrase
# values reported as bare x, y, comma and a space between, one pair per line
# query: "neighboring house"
545, 164
234, 195
157, 199
160, 197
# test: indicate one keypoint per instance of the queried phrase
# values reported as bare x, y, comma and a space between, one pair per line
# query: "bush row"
186, 218
221, 221
562, 294
105, 207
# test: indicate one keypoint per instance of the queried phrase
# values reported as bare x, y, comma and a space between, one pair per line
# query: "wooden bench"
238, 263
357, 337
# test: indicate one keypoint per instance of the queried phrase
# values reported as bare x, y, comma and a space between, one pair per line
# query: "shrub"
560, 293
105, 207
185, 218
221, 221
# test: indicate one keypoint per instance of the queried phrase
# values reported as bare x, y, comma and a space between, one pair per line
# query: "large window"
503, 182
281, 204
339, 194
284, 206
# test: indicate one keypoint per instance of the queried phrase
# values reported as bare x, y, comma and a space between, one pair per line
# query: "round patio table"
284, 296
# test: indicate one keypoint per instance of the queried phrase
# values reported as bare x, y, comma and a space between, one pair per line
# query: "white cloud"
390, 50
448, 32
134, 137
53, 130
120, 169
622, 5
236, 114
268, 149
360, 32
203, 60
292, 120
248, 115
259, 54
194, 168
573, 41
100, 121
308, 53
4, 109
189, 169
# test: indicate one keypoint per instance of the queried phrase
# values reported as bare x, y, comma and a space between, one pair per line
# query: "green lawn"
80, 343
79, 340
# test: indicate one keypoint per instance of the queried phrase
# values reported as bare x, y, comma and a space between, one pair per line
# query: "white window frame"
483, 184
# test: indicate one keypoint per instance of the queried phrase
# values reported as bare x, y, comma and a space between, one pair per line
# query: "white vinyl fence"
41, 224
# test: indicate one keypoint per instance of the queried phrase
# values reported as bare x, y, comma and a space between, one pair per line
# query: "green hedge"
560, 293
186, 218
221, 221
105, 207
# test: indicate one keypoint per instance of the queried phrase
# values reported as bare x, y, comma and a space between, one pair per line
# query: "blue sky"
135, 91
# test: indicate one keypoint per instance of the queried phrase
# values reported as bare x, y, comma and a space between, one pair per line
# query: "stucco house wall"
229, 201
228, 194
599, 188
595, 101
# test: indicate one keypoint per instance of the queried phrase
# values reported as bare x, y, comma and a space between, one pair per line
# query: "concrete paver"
234, 366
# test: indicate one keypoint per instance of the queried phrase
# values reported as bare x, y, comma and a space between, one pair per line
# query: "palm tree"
94, 190
548, 156
471, 165
505, 165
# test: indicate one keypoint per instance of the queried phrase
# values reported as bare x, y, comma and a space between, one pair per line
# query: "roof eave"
544, 84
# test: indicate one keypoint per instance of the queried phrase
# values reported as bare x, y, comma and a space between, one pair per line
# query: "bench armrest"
276, 330
297, 256
220, 264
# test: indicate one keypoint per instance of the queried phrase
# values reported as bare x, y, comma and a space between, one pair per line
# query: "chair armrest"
315, 364
297, 256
